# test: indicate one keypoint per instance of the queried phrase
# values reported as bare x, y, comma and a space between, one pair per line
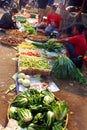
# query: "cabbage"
50, 118
25, 114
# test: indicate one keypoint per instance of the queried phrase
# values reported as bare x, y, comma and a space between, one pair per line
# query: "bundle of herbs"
64, 68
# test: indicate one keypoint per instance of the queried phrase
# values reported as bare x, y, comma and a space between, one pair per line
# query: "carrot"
44, 84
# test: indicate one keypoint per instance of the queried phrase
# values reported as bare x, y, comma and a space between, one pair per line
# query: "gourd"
26, 82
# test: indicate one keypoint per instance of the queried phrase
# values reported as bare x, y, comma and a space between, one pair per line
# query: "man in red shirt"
76, 45
54, 21
79, 44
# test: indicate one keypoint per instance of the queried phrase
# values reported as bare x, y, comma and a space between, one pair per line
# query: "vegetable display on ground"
27, 45
21, 19
34, 62
37, 38
16, 33
35, 110
56, 47
11, 40
29, 28
30, 53
64, 68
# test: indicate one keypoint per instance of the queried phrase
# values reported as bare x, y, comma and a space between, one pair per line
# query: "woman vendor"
76, 45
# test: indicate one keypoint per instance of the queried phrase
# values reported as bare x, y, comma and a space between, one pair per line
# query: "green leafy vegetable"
21, 19
48, 97
29, 29
25, 114
38, 117
33, 126
64, 68
50, 119
56, 47
58, 125
38, 110
13, 113
20, 101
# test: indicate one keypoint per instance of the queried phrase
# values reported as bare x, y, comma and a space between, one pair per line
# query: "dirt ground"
74, 94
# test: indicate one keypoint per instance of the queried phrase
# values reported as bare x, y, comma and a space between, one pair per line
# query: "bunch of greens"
35, 110
64, 68
29, 28
56, 47
21, 19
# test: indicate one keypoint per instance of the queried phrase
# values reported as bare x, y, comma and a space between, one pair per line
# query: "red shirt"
79, 43
56, 18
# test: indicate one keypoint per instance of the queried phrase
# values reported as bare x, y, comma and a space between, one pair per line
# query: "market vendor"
76, 45
53, 22
6, 21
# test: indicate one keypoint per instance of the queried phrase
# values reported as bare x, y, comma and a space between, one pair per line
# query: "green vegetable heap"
64, 68
21, 19
29, 28
35, 110
56, 47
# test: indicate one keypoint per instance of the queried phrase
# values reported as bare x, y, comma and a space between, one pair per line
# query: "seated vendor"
76, 45
6, 21
53, 22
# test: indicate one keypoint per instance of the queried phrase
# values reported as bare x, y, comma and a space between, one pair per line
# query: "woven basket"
67, 117
34, 71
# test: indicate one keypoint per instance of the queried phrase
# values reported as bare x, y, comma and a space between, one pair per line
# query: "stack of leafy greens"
64, 68
29, 28
35, 110
21, 19
56, 47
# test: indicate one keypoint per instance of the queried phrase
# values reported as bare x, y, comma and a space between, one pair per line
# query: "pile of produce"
34, 65
56, 47
64, 68
35, 110
23, 79
34, 62
16, 33
29, 53
11, 40
27, 45
21, 19
29, 29
37, 38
